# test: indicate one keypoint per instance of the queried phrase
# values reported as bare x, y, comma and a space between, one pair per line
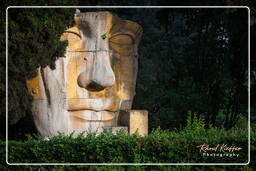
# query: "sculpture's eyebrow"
73, 33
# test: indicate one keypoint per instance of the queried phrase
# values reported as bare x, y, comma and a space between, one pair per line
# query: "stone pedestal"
135, 120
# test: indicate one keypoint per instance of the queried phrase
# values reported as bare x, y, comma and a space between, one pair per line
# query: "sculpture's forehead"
107, 22
97, 29
97, 22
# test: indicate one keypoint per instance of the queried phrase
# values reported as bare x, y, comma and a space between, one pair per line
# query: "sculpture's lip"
92, 115
92, 110
96, 105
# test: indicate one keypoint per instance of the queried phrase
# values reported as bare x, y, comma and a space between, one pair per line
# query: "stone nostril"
93, 86
85, 82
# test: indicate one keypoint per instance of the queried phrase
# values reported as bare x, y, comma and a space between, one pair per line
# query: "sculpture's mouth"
92, 115
105, 105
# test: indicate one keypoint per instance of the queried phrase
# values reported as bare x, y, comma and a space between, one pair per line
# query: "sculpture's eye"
122, 39
122, 43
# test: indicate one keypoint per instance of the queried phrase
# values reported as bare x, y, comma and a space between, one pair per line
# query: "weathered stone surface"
93, 82
135, 120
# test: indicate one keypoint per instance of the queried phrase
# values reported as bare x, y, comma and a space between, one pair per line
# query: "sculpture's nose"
98, 74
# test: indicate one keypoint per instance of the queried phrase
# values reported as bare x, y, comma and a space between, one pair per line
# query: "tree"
33, 41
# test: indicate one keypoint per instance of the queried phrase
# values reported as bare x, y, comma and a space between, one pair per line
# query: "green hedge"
158, 147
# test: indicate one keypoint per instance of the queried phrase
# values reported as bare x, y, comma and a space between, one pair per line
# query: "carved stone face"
93, 82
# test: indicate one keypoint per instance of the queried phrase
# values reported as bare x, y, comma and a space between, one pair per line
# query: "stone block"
135, 120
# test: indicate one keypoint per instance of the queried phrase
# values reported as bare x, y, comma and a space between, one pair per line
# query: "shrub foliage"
179, 146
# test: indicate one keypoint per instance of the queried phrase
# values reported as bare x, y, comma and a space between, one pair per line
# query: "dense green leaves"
188, 63
159, 147
33, 41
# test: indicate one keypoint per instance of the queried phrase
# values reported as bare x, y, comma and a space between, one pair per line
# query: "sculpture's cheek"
126, 72
113, 106
116, 66
125, 49
77, 62
50, 120
71, 74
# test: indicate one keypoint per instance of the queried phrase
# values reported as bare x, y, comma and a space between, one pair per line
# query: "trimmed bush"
180, 146
158, 147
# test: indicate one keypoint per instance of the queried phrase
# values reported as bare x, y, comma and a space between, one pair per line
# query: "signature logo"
220, 150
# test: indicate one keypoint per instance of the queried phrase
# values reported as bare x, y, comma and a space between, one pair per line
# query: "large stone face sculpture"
93, 86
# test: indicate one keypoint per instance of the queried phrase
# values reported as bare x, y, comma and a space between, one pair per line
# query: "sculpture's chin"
92, 115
